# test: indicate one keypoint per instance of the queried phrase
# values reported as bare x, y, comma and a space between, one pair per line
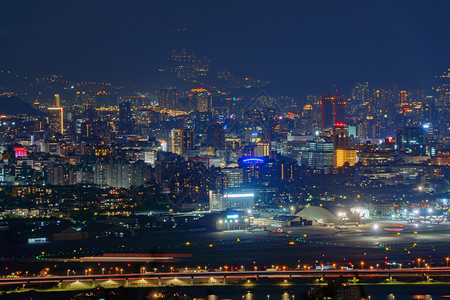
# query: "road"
215, 276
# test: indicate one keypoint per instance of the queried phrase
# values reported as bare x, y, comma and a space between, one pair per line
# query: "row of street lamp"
226, 268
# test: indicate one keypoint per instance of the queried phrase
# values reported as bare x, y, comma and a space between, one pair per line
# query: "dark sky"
306, 46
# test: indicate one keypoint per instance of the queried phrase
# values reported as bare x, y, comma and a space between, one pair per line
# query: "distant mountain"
14, 106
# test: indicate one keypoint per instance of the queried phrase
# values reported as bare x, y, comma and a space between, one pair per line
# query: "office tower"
343, 156
411, 140
262, 149
318, 155
201, 98
327, 111
168, 98
233, 177
181, 140
126, 120
360, 93
333, 110
340, 137
403, 98
215, 136
56, 120
56, 117
339, 110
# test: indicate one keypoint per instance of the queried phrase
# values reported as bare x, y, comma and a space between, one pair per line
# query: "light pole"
103, 271
121, 271
418, 261
447, 259
68, 271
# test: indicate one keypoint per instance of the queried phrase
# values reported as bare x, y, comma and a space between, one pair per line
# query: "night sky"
305, 46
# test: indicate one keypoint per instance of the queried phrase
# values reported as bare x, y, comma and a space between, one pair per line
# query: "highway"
201, 277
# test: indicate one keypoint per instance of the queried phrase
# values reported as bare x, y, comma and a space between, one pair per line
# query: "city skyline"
233, 150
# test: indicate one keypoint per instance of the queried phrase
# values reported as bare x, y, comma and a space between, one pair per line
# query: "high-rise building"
181, 140
360, 93
339, 110
233, 177
411, 140
340, 137
168, 98
121, 174
262, 149
56, 120
126, 120
333, 110
403, 98
343, 156
56, 117
327, 111
202, 99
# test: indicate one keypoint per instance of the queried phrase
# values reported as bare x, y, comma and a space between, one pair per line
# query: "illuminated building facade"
168, 99
262, 149
235, 201
344, 156
202, 99
181, 140
411, 140
56, 120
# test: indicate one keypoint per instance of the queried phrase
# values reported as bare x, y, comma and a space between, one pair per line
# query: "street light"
103, 271
418, 261
447, 259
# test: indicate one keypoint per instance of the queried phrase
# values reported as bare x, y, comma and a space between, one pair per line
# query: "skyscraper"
168, 98
327, 111
333, 110
126, 121
202, 98
181, 140
411, 140
56, 120
56, 117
